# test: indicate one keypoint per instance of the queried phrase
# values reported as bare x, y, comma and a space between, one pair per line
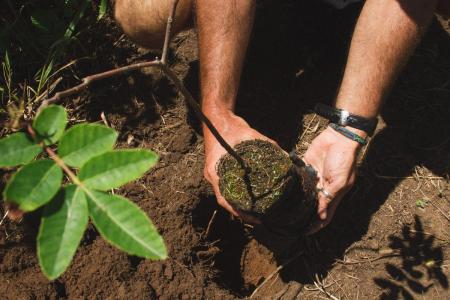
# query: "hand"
334, 157
234, 130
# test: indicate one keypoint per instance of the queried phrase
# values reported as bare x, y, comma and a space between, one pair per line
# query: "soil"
380, 244
263, 184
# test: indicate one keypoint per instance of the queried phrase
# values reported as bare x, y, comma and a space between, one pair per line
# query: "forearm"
386, 33
224, 28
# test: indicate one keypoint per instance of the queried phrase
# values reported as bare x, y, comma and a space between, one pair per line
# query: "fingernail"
323, 215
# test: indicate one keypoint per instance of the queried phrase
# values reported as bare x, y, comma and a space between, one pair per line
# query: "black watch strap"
344, 118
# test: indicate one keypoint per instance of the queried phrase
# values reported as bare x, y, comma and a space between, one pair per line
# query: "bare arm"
386, 33
224, 29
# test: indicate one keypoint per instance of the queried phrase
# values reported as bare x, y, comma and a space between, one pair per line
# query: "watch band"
348, 134
345, 118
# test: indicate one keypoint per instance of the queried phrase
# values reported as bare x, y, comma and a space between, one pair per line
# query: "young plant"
85, 154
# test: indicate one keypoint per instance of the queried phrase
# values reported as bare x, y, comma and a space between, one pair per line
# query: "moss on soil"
268, 176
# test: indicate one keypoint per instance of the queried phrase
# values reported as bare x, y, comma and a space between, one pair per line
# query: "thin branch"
168, 31
86, 81
369, 260
4, 217
277, 270
208, 228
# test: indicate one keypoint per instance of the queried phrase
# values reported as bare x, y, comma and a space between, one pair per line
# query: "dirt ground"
381, 243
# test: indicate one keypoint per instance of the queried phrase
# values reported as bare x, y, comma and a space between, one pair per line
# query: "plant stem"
168, 31
57, 160
86, 81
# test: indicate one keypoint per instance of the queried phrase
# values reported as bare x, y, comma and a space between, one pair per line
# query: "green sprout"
86, 155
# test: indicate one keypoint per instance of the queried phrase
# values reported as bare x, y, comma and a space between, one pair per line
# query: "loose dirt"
380, 245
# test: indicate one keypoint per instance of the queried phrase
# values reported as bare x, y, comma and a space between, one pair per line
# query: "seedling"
422, 203
85, 154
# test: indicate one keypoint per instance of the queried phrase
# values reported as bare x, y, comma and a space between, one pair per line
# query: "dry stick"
208, 228
168, 31
277, 270
370, 260
4, 217
86, 81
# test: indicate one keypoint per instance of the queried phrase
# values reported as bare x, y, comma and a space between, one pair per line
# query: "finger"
330, 192
320, 224
247, 218
315, 227
324, 202
224, 203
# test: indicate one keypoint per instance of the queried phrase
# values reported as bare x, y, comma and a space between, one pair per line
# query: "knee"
144, 21
142, 25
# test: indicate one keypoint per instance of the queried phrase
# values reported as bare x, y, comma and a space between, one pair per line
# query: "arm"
224, 28
386, 33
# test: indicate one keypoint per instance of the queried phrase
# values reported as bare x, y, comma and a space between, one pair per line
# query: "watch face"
343, 118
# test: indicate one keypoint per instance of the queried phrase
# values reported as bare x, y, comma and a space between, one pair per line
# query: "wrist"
345, 140
345, 119
220, 116
357, 110
359, 132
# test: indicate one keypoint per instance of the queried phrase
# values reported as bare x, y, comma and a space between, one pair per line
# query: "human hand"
334, 157
234, 130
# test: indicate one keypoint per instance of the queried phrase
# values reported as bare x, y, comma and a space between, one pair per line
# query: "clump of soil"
265, 182
279, 189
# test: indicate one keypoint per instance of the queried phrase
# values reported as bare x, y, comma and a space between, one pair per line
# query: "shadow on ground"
295, 60
421, 261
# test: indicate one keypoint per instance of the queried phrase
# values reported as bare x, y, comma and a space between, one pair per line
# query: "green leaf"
422, 203
63, 223
34, 185
44, 19
115, 168
84, 141
17, 149
102, 9
125, 225
50, 123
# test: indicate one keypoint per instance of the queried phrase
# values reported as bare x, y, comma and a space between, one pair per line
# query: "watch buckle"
343, 119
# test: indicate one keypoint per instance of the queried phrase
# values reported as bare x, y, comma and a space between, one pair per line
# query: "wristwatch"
344, 118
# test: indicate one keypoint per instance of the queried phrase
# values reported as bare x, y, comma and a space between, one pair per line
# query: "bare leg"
144, 21
224, 29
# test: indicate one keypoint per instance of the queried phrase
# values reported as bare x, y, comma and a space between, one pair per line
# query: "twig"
321, 287
208, 228
168, 31
4, 217
410, 177
354, 262
277, 270
86, 81
307, 127
440, 210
